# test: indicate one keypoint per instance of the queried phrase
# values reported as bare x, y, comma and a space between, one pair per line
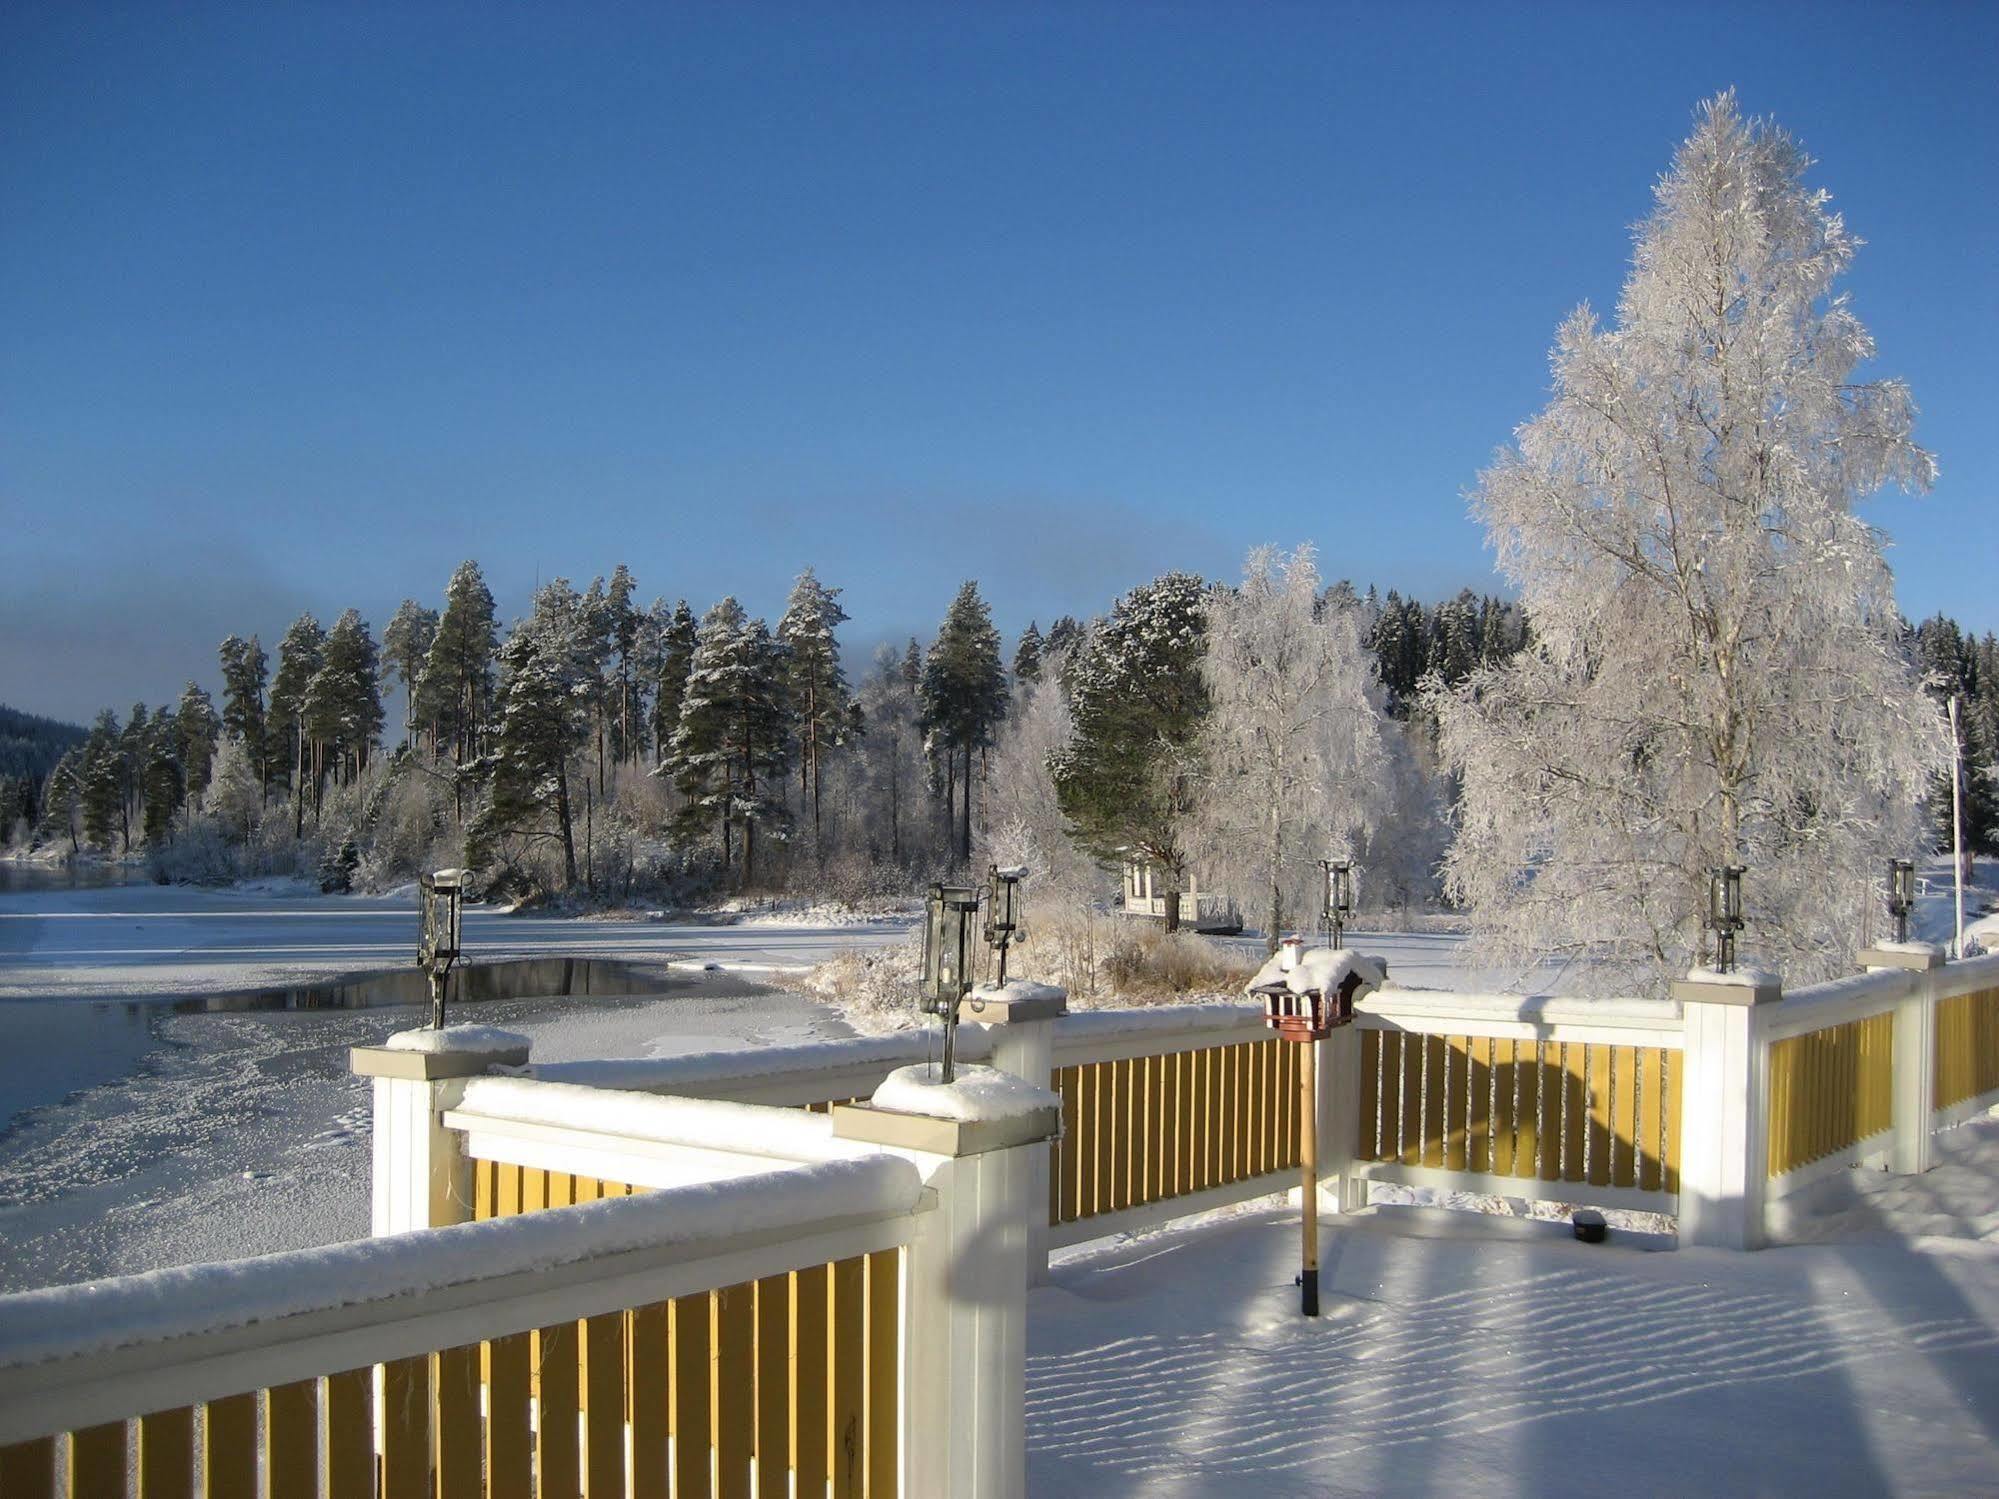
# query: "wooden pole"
1308, 1161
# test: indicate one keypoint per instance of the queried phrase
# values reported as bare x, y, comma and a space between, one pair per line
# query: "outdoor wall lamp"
1724, 913
442, 902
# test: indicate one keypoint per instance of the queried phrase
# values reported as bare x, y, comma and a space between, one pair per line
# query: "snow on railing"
463, 1325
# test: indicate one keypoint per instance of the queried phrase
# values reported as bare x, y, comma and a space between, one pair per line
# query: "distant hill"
30, 745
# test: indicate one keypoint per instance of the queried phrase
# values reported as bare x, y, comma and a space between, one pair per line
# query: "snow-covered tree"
625, 627
406, 643
547, 680
62, 799
454, 692
245, 673
669, 656
821, 707
1027, 656
198, 727
1715, 675
164, 784
963, 692
728, 753
1292, 746
1129, 778
299, 655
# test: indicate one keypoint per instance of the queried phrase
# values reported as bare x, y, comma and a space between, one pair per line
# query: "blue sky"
304, 303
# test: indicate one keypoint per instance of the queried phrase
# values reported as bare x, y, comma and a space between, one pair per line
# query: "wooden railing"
1831, 1090
1580, 1113
511, 1356
1145, 1130
1967, 1047
1504, 1095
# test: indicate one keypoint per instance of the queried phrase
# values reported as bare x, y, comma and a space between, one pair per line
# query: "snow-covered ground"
1483, 1356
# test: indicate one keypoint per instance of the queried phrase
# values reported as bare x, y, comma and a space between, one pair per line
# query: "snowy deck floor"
1462, 1355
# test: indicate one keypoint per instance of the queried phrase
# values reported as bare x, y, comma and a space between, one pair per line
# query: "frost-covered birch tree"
1715, 675
1292, 747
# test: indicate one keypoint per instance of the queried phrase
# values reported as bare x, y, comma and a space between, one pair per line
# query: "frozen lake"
173, 1062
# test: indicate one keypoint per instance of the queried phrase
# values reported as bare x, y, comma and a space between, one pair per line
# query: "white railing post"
1023, 1018
1341, 1190
965, 1277
1724, 1111
422, 1178
1915, 1050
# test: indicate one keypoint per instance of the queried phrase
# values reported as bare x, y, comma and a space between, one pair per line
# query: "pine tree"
672, 658
1027, 657
1129, 778
728, 751
406, 646
62, 799
624, 626
1063, 638
102, 782
342, 711
299, 655
822, 708
198, 728
454, 693
1716, 676
547, 681
164, 784
244, 676
964, 695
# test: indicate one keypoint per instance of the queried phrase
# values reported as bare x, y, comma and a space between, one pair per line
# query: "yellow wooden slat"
883, 1400
1651, 1103
1105, 1134
1527, 1120
1130, 1125
347, 1460
509, 1441
557, 1390
848, 1358
810, 1304
602, 1397
482, 1190
1086, 1143
459, 1434
229, 1448
648, 1398
166, 1455
97, 1461
1067, 1148
28, 1469
773, 1386
291, 1439
693, 1438
406, 1428
733, 1389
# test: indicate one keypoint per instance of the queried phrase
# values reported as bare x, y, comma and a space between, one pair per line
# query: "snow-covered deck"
1465, 1355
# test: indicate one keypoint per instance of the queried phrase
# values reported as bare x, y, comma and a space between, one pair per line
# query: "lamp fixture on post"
442, 897
1724, 913
1003, 911
947, 959
1336, 901
1901, 895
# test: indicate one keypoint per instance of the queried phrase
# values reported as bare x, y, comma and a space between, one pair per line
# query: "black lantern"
1337, 899
947, 958
1003, 911
442, 897
1901, 895
1724, 913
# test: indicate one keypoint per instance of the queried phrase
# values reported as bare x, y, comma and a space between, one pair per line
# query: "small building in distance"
1144, 894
